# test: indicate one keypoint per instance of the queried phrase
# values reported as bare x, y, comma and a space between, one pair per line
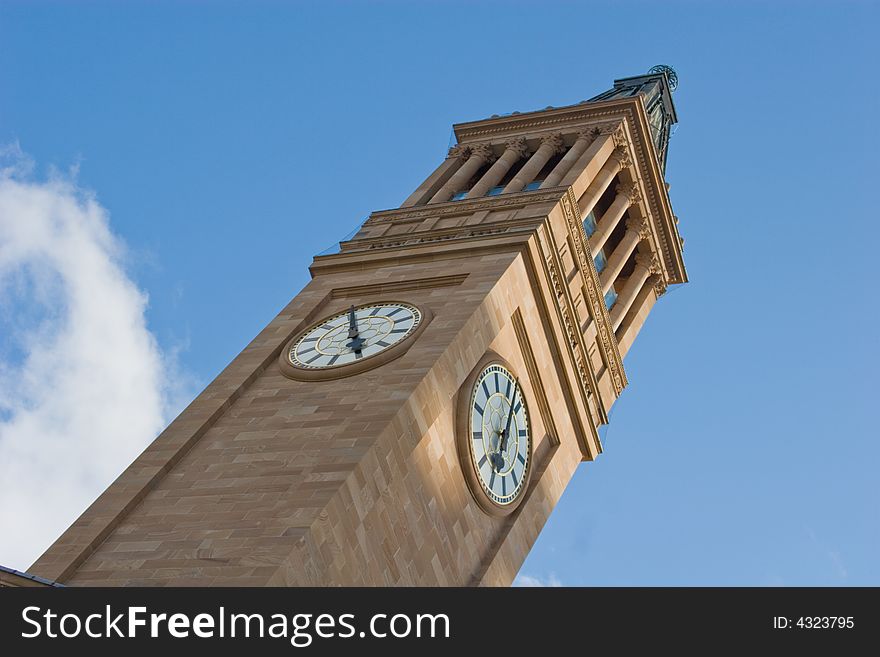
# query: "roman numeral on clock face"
354, 335
500, 442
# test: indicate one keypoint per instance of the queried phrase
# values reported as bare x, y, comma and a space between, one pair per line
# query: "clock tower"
413, 415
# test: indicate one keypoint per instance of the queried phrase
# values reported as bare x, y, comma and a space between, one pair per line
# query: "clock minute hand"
352, 323
357, 342
506, 433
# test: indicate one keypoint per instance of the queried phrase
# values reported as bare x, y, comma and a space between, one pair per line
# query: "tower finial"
671, 75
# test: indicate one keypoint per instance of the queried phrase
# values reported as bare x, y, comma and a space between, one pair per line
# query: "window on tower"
600, 261
535, 184
590, 224
610, 298
459, 195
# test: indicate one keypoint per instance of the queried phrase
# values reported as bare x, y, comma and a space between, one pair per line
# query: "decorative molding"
595, 298
420, 238
467, 206
398, 286
525, 347
568, 320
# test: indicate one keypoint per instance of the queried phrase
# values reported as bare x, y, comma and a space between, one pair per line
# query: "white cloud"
84, 386
530, 581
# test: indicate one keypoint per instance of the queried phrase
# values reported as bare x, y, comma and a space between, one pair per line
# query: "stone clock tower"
415, 412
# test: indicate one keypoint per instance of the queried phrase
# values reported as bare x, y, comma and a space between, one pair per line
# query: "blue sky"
210, 150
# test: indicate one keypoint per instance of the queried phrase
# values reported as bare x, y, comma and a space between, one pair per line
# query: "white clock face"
500, 441
354, 334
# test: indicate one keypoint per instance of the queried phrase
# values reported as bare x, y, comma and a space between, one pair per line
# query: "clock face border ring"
463, 436
393, 352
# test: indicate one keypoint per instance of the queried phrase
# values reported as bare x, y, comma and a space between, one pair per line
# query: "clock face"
353, 335
500, 440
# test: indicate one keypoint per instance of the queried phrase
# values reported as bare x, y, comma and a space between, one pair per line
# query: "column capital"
553, 140
616, 131
621, 156
649, 261
458, 151
610, 128
483, 151
659, 286
629, 191
638, 224
589, 133
518, 146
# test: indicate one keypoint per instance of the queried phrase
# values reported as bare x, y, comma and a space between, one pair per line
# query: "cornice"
647, 167
425, 247
531, 121
467, 206
431, 236
657, 197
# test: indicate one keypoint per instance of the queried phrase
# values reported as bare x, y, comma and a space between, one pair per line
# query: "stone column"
516, 150
609, 137
584, 139
550, 145
457, 154
618, 161
646, 265
479, 155
636, 230
627, 195
635, 318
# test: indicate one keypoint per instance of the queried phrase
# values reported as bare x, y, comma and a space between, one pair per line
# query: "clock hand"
352, 323
506, 433
496, 459
357, 343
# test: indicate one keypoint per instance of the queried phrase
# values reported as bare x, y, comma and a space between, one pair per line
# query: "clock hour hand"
357, 343
496, 460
